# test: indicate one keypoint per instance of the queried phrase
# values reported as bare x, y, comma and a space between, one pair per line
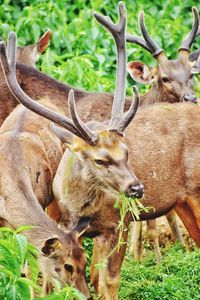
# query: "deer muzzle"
190, 97
135, 190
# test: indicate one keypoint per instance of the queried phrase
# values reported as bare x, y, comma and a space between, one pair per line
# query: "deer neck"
19, 207
155, 94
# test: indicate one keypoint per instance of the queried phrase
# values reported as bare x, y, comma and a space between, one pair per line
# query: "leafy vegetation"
16, 254
177, 278
83, 54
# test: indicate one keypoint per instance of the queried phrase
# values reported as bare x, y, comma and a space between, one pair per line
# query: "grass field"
177, 278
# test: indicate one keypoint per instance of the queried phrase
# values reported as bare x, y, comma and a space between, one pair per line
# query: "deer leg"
173, 223
136, 240
185, 213
94, 272
114, 265
111, 275
153, 238
98, 268
194, 204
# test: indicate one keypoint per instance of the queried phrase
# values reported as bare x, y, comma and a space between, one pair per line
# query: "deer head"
102, 150
173, 77
62, 258
29, 55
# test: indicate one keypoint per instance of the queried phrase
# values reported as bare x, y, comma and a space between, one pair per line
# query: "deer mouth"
135, 191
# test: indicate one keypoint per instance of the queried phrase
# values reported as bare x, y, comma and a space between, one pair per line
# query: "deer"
167, 80
27, 57
161, 91
29, 157
162, 168
29, 54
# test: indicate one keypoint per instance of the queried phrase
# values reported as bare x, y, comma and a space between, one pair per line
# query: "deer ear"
50, 246
140, 72
82, 225
44, 41
64, 135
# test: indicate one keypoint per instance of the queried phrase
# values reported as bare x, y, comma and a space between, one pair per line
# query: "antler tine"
194, 55
11, 49
137, 40
129, 115
118, 32
155, 50
88, 135
18, 93
187, 42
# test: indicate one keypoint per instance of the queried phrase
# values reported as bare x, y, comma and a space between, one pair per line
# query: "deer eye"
69, 268
101, 162
57, 270
165, 79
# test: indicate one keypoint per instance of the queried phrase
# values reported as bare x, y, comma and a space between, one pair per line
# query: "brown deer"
29, 157
29, 55
163, 143
170, 79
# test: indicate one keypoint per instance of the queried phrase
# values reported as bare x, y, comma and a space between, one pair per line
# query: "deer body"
29, 156
159, 130
163, 153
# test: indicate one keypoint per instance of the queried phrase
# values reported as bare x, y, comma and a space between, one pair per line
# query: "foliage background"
81, 52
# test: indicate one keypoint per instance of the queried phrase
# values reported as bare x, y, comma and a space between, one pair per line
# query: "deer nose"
135, 190
190, 97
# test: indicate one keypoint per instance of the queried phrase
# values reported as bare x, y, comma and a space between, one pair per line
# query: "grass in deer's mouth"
128, 205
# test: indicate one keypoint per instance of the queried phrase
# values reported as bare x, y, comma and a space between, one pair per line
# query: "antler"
8, 64
146, 43
119, 121
195, 54
129, 115
187, 42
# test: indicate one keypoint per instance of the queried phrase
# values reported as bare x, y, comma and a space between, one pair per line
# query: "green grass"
177, 278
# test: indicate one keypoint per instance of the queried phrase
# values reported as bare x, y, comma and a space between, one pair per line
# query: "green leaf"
11, 262
23, 228
21, 243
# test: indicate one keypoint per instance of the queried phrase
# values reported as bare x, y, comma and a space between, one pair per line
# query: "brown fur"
25, 55
29, 156
159, 130
171, 79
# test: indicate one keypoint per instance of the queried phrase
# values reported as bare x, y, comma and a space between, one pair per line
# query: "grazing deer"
29, 55
163, 143
29, 157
